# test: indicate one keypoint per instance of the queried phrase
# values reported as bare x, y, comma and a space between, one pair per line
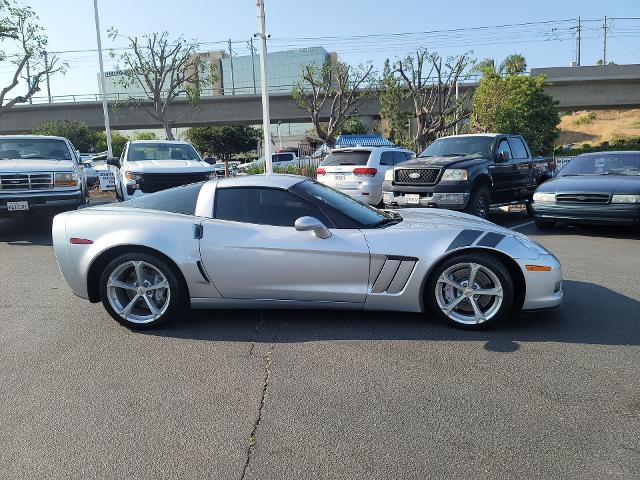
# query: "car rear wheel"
141, 291
479, 203
544, 224
471, 291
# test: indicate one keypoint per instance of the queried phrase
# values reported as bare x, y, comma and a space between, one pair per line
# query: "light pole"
266, 121
105, 107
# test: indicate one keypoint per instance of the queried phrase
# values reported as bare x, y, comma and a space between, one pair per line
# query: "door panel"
504, 175
252, 261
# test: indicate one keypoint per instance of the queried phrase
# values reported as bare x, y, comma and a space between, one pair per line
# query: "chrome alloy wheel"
138, 292
469, 293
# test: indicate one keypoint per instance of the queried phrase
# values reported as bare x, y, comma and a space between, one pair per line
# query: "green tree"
83, 138
516, 104
393, 98
118, 142
353, 126
513, 64
145, 136
333, 92
22, 42
223, 142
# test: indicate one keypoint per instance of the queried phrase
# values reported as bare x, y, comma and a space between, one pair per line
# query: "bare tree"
19, 27
334, 91
163, 69
431, 84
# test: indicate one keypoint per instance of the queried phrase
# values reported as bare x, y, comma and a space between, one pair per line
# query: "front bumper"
606, 213
449, 195
543, 288
42, 203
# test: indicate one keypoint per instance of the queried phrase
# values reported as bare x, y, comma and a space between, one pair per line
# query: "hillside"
596, 126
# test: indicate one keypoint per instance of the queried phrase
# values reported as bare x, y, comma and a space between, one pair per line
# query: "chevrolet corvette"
284, 241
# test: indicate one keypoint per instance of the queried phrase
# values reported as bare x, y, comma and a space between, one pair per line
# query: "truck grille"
583, 197
417, 176
26, 181
155, 182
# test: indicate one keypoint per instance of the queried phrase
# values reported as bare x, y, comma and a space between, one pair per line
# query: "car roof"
160, 141
614, 152
274, 180
31, 137
492, 135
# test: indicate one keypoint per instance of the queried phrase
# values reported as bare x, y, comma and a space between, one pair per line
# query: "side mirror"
114, 162
305, 224
500, 157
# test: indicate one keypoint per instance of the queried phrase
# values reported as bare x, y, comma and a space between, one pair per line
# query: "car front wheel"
471, 291
141, 291
479, 203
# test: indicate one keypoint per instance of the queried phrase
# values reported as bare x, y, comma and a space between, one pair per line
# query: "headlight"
544, 197
625, 199
388, 175
134, 177
536, 247
454, 175
66, 179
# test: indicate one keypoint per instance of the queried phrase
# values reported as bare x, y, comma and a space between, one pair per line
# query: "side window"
503, 147
519, 150
264, 206
399, 157
387, 158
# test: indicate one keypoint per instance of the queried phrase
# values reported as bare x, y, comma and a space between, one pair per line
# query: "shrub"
585, 119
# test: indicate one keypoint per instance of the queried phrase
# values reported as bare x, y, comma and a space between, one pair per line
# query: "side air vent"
394, 274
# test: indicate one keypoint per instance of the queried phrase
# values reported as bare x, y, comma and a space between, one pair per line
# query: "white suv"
148, 166
359, 171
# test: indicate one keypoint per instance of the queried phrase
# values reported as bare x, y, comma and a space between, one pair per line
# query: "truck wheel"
479, 203
544, 224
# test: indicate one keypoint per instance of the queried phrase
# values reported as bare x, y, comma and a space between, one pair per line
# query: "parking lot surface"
299, 394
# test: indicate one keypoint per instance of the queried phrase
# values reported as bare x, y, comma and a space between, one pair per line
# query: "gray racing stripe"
490, 240
464, 239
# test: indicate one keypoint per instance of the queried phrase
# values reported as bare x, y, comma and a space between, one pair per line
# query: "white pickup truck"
39, 174
148, 166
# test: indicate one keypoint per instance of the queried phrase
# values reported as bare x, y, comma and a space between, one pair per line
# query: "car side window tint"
503, 147
399, 157
264, 206
519, 150
387, 158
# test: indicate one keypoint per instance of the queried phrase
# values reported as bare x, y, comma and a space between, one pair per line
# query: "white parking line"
515, 227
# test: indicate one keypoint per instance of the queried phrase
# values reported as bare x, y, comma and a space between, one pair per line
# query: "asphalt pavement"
324, 395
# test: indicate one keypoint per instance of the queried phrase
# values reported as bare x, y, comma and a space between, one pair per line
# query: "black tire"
529, 209
177, 298
544, 224
479, 203
496, 309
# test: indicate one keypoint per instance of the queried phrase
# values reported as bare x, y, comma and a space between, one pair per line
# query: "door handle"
198, 232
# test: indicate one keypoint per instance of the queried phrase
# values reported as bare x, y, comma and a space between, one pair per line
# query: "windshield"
31, 149
457, 146
365, 215
161, 151
346, 158
281, 157
603, 164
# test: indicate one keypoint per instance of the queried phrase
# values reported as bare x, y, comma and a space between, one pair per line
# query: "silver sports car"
284, 241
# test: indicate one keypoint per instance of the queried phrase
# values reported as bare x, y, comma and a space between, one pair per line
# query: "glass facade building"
241, 74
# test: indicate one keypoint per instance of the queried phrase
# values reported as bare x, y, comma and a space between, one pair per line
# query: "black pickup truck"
468, 172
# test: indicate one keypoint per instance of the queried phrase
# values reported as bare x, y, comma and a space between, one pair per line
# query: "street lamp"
266, 121
105, 107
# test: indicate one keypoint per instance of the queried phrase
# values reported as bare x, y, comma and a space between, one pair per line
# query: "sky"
358, 30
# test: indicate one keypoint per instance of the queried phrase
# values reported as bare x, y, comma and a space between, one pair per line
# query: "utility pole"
266, 121
233, 85
578, 40
604, 41
253, 64
46, 67
105, 107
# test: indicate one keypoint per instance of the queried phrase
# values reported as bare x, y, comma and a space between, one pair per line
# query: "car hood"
606, 184
36, 165
461, 161
169, 166
421, 218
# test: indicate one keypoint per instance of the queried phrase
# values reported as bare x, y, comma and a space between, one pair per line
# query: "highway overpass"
575, 88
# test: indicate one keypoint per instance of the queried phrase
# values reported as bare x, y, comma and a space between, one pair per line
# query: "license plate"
412, 199
17, 206
339, 177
